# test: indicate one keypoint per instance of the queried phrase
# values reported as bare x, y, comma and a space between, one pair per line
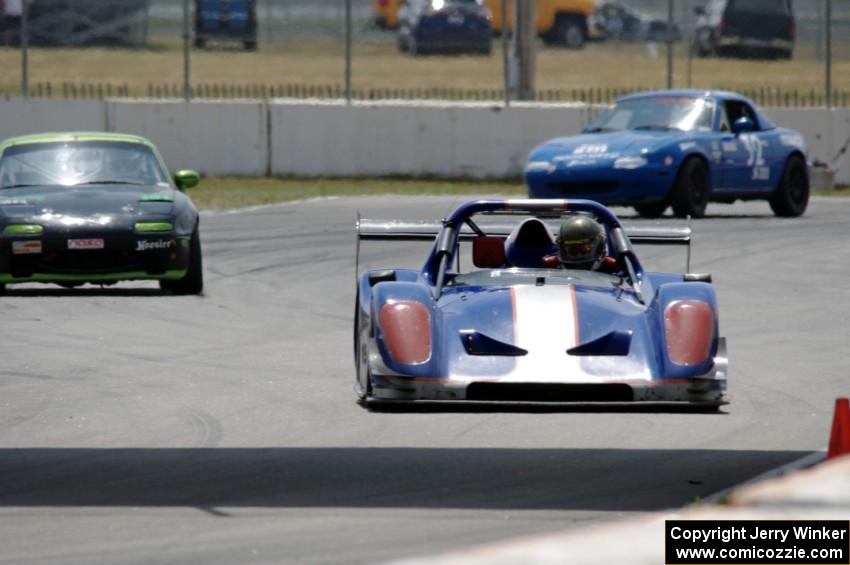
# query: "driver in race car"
581, 245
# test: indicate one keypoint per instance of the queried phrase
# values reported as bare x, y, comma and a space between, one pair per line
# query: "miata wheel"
193, 281
691, 189
792, 196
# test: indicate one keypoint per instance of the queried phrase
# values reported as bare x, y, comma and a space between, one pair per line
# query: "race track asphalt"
137, 427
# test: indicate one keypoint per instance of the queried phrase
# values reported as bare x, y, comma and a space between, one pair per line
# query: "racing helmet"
581, 243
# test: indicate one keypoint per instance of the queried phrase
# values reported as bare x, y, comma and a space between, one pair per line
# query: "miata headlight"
152, 227
23, 229
632, 162
538, 166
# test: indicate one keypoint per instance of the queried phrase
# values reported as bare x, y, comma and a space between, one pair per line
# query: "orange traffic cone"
839, 441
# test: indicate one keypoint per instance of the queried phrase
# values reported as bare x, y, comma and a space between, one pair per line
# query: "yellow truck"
385, 13
559, 22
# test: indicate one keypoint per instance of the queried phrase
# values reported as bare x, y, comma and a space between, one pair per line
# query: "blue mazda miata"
679, 148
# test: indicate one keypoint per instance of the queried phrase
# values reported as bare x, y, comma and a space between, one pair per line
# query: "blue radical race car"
510, 328
679, 148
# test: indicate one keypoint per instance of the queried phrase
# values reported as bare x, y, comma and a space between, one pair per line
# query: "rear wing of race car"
427, 231
395, 230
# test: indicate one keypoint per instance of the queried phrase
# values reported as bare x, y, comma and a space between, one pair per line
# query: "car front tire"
413, 47
691, 189
570, 32
193, 281
651, 210
792, 196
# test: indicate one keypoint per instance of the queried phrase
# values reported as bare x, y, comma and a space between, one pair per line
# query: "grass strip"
218, 193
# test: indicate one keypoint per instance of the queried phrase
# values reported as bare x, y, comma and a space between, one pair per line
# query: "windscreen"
532, 277
525, 248
684, 113
75, 163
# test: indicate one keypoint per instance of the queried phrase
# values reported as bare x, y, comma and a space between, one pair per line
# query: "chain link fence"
75, 23
297, 48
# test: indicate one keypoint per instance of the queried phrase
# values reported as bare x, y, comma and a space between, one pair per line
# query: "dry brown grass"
380, 65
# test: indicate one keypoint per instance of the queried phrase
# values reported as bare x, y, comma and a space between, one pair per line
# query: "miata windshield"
74, 163
682, 113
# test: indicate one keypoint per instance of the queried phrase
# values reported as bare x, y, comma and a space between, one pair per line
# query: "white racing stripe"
545, 322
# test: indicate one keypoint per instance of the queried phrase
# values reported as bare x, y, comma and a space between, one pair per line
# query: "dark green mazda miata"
96, 208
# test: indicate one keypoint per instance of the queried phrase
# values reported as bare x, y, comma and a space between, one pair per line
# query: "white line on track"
230, 211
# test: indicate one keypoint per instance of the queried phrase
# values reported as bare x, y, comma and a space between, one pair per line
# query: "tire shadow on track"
87, 291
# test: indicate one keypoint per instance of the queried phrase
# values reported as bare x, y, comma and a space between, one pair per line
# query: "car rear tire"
708, 46
792, 196
193, 281
691, 189
570, 32
2, 289
651, 210
413, 47
403, 39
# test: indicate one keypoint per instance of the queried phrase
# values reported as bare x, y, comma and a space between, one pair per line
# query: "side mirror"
743, 125
697, 277
186, 179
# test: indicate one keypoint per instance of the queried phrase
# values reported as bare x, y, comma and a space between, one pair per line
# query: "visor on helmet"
578, 251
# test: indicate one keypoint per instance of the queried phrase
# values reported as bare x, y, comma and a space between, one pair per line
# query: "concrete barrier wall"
216, 138
471, 140
19, 116
826, 133
288, 137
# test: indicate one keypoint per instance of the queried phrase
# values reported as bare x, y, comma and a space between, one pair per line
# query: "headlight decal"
23, 229
689, 331
630, 162
406, 328
151, 227
533, 166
